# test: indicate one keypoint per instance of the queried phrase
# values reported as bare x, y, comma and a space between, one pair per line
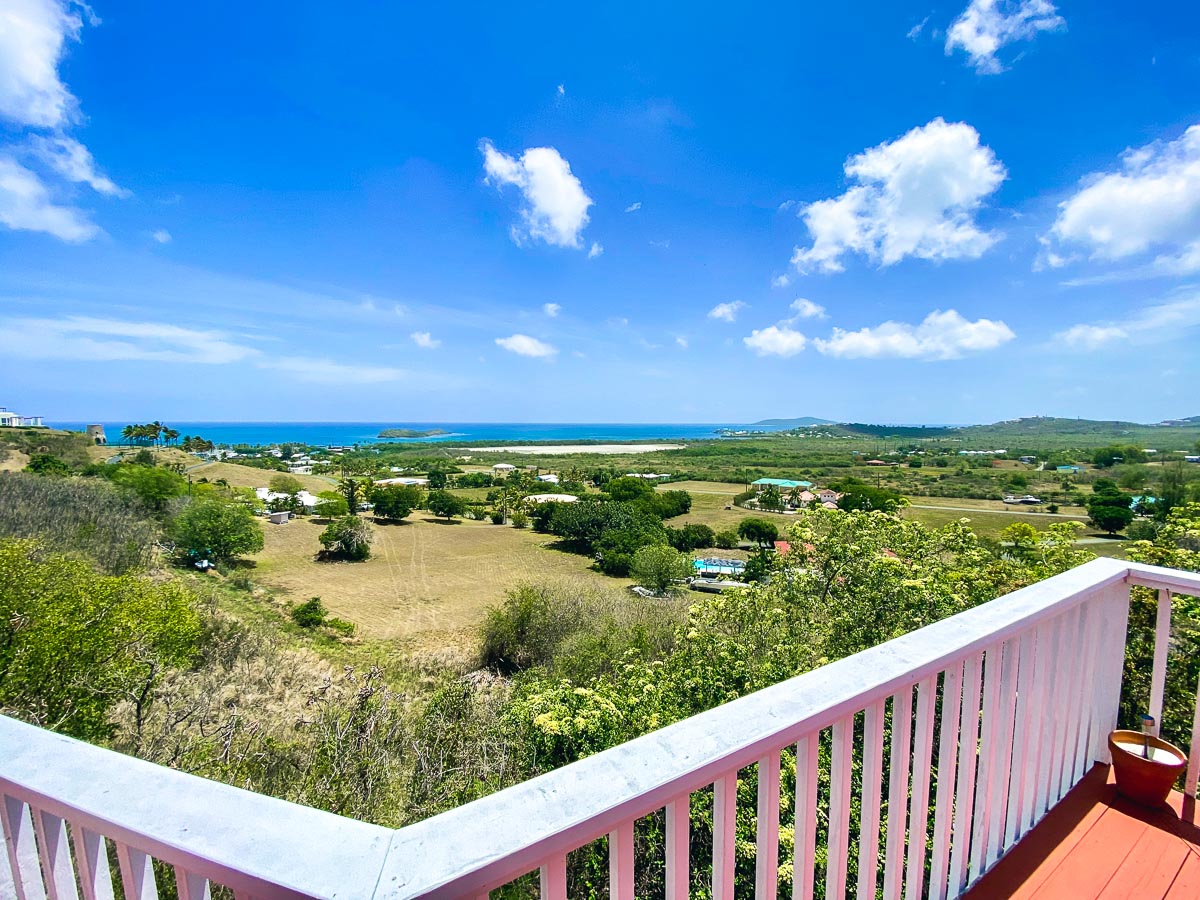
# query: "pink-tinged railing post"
1030, 689
1162, 643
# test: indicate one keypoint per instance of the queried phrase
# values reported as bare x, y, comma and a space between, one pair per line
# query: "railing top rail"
255, 840
474, 847
243, 840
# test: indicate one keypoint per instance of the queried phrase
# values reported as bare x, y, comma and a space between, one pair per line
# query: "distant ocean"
344, 433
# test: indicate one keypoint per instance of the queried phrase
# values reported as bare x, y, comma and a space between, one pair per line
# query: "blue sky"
870, 212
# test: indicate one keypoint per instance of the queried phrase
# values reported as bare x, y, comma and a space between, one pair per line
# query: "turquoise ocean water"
346, 433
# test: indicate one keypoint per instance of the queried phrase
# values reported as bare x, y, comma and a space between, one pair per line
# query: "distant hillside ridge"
802, 422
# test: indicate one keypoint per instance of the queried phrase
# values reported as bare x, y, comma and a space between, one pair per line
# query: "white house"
300, 470
10, 419
535, 499
549, 478
503, 468
266, 495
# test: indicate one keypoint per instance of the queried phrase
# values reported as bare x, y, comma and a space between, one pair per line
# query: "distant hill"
803, 422
1189, 421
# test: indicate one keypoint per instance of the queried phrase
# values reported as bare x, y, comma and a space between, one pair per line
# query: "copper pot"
1145, 781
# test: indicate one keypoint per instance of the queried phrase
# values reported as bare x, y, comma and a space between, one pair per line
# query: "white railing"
1013, 703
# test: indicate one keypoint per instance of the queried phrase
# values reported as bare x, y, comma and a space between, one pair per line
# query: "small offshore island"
410, 433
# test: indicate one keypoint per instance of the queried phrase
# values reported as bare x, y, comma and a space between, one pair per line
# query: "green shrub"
309, 614
348, 537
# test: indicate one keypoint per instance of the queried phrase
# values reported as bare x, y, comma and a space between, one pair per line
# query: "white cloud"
26, 205
325, 371
781, 281
1151, 203
1089, 337
555, 203
524, 345
33, 36
1159, 322
915, 32
425, 340
942, 335
915, 196
74, 162
633, 207
551, 309
987, 25
661, 245
776, 340
597, 249
726, 312
562, 90
109, 340
161, 236
682, 343
806, 309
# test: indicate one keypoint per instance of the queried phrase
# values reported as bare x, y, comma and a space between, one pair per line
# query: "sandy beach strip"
564, 449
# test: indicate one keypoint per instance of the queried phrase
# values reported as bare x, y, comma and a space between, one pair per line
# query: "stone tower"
96, 434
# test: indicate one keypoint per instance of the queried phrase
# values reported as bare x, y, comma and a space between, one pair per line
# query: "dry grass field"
427, 583
988, 517
246, 476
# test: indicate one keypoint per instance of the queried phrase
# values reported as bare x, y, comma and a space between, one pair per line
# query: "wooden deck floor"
1098, 844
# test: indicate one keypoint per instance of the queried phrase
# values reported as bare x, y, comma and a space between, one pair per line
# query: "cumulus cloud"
1170, 320
942, 335
26, 205
987, 25
551, 309
524, 345
633, 207
425, 340
781, 281
1151, 203
556, 205
161, 236
726, 312
914, 196
681, 342
110, 340
597, 249
806, 309
33, 38
776, 340
34, 35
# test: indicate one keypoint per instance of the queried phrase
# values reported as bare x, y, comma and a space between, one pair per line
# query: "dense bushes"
575, 632
83, 516
74, 642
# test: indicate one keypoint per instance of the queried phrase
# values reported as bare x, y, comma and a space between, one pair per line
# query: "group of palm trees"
154, 433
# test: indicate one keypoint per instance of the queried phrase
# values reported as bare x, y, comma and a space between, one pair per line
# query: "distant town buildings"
10, 419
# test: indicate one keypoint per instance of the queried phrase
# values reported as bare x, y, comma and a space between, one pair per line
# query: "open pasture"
427, 582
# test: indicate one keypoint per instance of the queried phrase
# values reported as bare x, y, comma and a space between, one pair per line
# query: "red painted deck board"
1096, 844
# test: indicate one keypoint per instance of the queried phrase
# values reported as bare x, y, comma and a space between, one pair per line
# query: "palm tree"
127, 433
170, 435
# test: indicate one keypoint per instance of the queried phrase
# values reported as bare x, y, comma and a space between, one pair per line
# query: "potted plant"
1145, 766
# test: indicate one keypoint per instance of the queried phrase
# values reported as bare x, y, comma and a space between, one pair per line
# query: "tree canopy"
348, 537
218, 529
